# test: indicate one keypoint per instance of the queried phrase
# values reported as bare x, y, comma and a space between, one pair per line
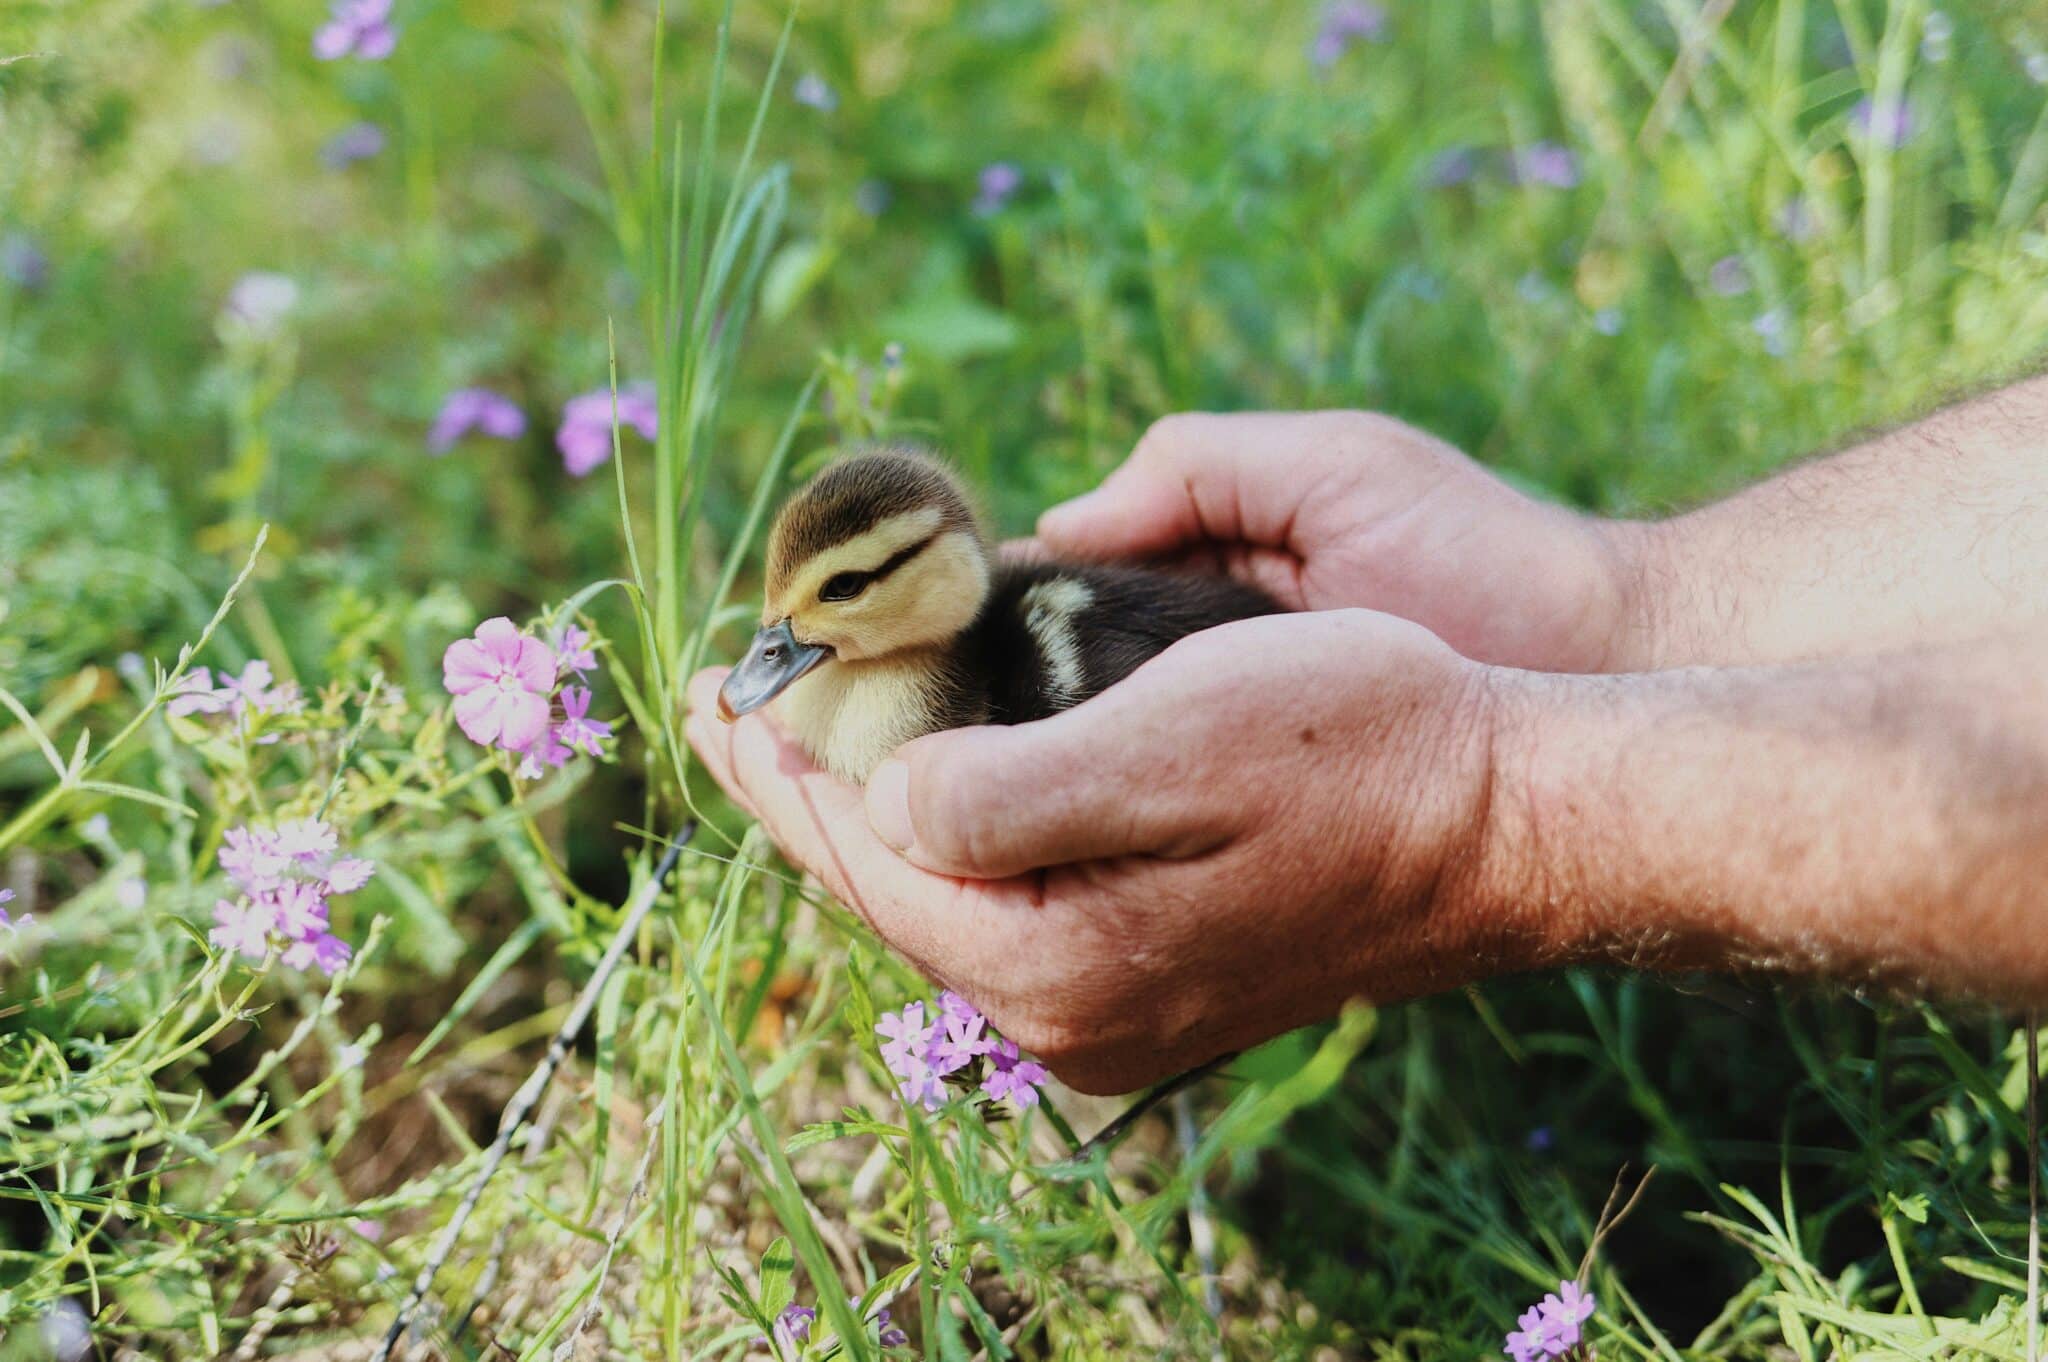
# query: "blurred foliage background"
1629, 254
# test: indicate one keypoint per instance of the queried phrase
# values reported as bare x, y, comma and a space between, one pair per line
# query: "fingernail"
888, 802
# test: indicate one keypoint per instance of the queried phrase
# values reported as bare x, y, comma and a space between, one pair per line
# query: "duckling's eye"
843, 586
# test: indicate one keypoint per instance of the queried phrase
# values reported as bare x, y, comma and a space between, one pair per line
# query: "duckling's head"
879, 554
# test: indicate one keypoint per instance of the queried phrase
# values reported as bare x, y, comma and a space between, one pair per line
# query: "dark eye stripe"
887, 566
902, 556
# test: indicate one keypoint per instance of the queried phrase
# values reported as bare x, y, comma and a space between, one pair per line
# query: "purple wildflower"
904, 1038
1345, 23
259, 302
573, 653
8, 924
997, 184
356, 28
921, 1086
66, 1331
1729, 276
964, 1037
1774, 328
548, 753
585, 435
1888, 121
286, 874
252, 695
887, 1334
957, 1045
475, 409
793, 1327
322, 951
1553, 1326
1011, 1076
812, 92
298, 909
1796, 220
356, 142
1451, 166
242, 927
1550, 164
193, 693
576, 729
1531, 1341
1566, 1311
23, 263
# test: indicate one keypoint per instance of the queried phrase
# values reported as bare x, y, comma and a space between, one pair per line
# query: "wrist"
1521, 887
1640, 557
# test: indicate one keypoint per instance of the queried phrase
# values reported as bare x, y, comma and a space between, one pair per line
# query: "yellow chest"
850, 715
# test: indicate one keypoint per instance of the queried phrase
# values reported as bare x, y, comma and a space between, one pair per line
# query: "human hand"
1345, 508
1266, 820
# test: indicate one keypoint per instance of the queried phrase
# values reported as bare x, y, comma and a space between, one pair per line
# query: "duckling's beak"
773, 660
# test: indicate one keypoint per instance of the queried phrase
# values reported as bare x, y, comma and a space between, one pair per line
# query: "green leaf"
793, 272
778, 1268
824, 1132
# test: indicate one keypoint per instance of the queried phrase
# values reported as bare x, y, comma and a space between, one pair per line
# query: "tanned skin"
1803, 729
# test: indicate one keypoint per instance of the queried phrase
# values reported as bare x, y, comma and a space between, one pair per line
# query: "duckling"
889, 616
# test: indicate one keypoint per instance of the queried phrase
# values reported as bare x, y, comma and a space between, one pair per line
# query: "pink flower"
305, 840
576, 729
241, 927
286, 874
193, 693
251, 858
501, 680
325, 952
299, 909
349, 874
1564, 1312
585, 435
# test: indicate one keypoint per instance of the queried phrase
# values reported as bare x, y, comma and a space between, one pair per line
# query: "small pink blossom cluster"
957, 1047
1552, 1326
509, 694
286, 874
247, 698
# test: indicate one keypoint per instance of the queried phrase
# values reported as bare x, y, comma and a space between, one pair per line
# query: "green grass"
191, 1152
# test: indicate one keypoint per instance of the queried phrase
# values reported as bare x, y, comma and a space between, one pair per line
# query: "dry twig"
522, 1103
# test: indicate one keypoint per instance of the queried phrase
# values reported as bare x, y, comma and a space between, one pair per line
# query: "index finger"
948, 927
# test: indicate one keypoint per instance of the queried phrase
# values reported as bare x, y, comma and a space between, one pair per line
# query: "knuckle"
1354, 431
1168, 434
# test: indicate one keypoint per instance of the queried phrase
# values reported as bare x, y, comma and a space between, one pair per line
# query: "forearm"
1881, 819
1933, 533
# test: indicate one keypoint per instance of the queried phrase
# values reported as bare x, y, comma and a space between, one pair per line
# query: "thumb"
991, 802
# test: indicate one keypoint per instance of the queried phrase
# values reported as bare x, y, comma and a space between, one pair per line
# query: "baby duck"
887, 602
